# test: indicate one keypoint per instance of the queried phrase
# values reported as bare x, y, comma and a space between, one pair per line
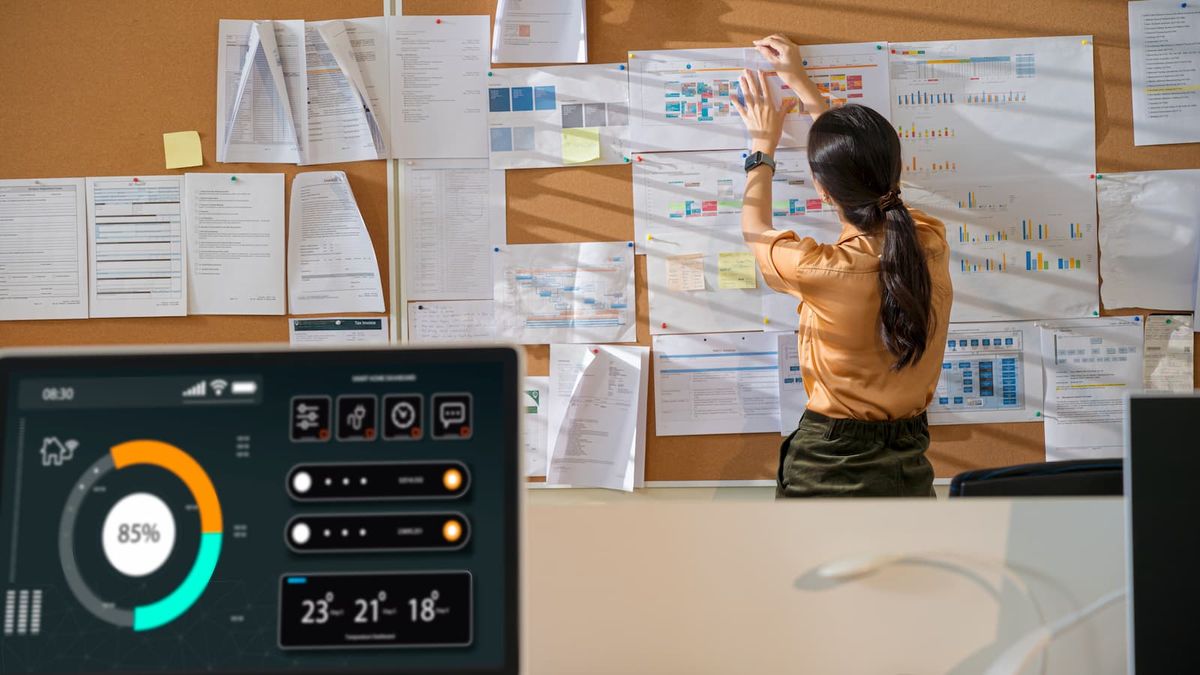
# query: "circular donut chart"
184, 467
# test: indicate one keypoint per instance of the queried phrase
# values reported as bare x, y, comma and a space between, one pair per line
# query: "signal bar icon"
198, 390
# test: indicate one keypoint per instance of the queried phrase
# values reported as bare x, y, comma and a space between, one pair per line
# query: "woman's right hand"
782, 54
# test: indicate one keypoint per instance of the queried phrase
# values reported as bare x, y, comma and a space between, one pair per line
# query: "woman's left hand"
758, 111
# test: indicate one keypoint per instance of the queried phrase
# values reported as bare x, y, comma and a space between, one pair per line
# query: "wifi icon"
218, 386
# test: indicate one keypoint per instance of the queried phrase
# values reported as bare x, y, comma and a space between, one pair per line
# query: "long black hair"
854, 154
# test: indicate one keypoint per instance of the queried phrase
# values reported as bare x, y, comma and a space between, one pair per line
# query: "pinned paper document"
580, 145
685, 272
736, 270
182, 149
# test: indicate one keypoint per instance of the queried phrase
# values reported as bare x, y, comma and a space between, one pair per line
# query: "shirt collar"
849, 232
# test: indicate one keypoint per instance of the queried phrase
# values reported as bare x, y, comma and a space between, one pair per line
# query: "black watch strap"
759, 158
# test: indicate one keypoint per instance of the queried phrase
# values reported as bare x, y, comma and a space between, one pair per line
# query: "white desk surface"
712, 587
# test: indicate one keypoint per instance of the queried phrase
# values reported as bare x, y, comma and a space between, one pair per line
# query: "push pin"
766, 320
489, 73
639, 158
595, 351
621, 67
664, 324
630, 244
233, 179
136, 180
438, 21
496, 250
649, 237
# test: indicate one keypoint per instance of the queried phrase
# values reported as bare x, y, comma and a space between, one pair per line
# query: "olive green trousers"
827, 457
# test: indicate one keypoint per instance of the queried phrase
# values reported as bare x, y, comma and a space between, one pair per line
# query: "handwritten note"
685, 272
736, 270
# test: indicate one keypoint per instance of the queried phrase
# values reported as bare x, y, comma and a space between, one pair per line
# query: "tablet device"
221, 511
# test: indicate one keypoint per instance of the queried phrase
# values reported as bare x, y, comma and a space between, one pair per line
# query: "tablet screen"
260, 512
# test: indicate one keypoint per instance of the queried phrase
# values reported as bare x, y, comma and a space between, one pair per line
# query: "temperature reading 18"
424, 609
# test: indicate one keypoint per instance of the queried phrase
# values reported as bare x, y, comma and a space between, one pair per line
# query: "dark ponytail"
854, 154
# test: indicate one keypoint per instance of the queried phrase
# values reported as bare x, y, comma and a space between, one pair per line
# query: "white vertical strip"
35, 615
22, 612
10, 609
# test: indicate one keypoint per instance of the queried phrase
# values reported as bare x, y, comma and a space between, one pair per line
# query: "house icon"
57, 453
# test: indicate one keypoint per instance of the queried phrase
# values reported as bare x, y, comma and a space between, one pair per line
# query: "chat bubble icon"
451, 413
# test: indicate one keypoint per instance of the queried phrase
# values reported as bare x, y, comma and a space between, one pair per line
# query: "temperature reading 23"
385, 609
317, 611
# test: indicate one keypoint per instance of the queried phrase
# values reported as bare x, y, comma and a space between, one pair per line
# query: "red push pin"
595, 351
664, 324
639, 158
438, 21
135, 179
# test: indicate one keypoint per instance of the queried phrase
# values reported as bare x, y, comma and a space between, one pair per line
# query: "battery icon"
244, 387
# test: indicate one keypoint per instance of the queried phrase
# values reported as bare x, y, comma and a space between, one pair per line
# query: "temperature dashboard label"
384, 609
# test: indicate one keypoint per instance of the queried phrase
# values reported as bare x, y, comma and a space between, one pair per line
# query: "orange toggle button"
452, 531
452, 479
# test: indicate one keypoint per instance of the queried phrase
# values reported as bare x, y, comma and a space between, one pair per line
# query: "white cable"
855, 567
1017, 656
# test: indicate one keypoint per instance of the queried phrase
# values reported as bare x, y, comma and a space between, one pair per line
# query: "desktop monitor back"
1162, 489
226, 511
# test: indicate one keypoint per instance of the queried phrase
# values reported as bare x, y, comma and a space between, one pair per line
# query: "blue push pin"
689, 66
745, 155
497, 249
1183, 5
621, 67
631, 244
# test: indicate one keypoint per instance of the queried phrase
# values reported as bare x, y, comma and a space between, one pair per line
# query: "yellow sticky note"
580, 145
182, 149
736, 270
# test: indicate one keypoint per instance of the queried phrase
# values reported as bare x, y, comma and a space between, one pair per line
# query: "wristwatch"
758, 158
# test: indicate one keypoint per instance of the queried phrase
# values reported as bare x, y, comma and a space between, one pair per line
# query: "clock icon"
403, 417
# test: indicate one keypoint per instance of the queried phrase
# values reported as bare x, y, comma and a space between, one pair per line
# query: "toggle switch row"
348, 532
378, 481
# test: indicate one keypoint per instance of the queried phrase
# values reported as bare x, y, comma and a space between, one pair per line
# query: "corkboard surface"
89, 86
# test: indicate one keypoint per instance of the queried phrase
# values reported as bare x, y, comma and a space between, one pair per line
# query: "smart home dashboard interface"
305, 511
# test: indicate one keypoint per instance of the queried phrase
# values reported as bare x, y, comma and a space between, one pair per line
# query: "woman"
875, 305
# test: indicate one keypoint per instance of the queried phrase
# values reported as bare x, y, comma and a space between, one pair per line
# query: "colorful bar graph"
924, 98
966, 237
986, 265
1041, 262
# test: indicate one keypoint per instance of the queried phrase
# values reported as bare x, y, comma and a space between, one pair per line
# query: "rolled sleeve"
779, 254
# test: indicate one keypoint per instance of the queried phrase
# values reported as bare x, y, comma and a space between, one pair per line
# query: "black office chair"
1072, 478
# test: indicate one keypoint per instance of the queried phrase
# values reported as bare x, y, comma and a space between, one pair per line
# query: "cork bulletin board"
89, 86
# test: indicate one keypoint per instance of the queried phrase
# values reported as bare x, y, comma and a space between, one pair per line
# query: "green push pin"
1037, 414
1095, 312
1168, 322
